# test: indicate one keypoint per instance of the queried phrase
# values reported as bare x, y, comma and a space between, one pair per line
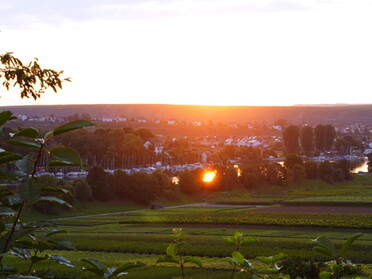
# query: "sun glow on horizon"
209, 176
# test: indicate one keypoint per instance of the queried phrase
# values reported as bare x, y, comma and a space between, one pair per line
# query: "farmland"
280, 224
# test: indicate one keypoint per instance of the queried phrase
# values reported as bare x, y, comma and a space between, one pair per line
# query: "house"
121, 119
141, 120
156, 145
172, 122
22, 117
147, 144
229, 141
47, 118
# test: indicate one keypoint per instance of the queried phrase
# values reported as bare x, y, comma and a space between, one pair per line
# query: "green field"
143, 235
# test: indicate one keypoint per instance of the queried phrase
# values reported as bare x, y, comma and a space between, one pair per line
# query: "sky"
204, 52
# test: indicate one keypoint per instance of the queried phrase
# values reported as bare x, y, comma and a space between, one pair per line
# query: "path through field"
145, 209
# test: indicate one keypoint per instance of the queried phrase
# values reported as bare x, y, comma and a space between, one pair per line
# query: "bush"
82, 191
297, 267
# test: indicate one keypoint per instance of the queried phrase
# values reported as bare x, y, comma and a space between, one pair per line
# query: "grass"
360, 186
95, 207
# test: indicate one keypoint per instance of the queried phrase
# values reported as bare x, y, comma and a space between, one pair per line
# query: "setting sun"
209, 176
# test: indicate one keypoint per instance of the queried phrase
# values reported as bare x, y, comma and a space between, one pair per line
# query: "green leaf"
61, 260
238, 257
73, 125
40, 224
7, 269
35, 259
263, 259
231, 261
26, 165
230, 240
238, 236
109, 272
24, 243
168, 259
193, 260
48, 135
5, 192
32, 190
66, 155
127, 266
6, 211
249, 240
7, 157
324, 251
13, 201
325, 275
21, 253
345, 247
271, 259
4, 117
336, 268
278, 257
171, 250
57, 163
94, 263
42, 246
55, 200
27, 132
9, 175
54, 231
267, 270
247, 264
24, 143
2, 226
96, 267
14, 237
63, 244
56, 190
326, 243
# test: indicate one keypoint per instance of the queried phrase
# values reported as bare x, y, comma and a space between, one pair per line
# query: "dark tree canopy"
320, 137
307, 139
291, 139
330, 136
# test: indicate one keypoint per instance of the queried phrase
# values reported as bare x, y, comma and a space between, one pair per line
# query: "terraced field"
282, 226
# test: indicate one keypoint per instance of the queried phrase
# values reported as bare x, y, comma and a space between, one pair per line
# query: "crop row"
205, 245
246, 217
262, 218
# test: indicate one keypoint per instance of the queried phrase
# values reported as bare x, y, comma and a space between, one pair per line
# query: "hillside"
346, 114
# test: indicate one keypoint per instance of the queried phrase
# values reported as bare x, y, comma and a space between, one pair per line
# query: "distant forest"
336, 115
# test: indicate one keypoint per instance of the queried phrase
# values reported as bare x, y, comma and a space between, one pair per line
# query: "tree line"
308, 140
143, 188
294, 171
111, 148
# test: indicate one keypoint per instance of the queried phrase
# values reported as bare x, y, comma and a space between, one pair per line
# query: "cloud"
22, 13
